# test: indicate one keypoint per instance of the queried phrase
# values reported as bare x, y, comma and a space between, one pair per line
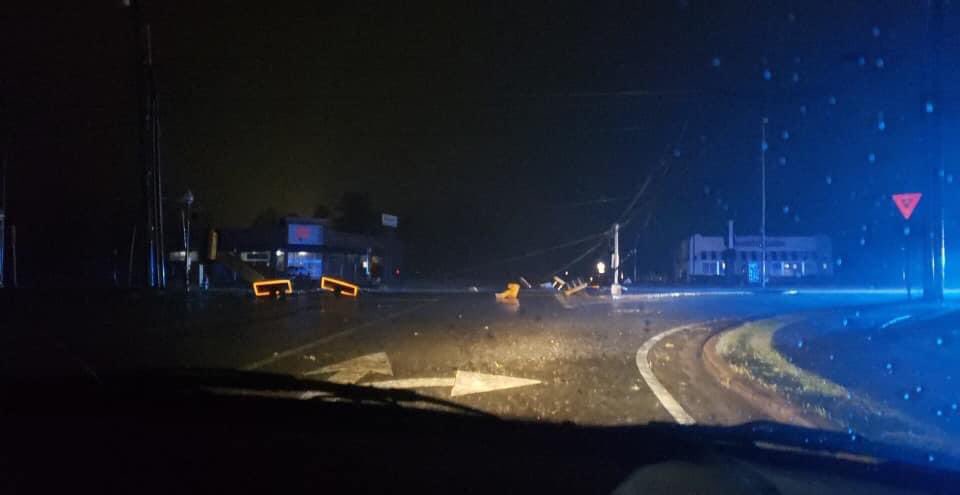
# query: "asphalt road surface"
585, 359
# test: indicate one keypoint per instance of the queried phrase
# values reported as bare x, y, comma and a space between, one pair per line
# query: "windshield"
703, 213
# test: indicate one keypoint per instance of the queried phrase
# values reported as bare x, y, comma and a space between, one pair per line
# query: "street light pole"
763, 203
934, 111
185, 221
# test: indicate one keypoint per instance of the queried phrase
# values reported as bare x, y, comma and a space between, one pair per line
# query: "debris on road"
509, 295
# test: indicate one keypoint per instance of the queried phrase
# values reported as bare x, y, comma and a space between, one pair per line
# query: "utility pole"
763, 203
149, 150
3, 218
615, 289
934, 112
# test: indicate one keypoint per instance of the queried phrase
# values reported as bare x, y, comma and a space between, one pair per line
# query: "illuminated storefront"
305, 249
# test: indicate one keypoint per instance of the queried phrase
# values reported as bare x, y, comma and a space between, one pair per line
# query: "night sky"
492, 130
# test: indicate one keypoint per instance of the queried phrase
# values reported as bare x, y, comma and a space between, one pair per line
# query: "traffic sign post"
906, 203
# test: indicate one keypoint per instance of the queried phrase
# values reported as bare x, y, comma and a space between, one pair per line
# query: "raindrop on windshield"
832, 100
861, 61
795, 77
783, 161
785, 135
829, 180
879, 62
863, 241
906, 230
876, 31
939, 340
786, 209
906, 396
764, 146
929, 107
803, 109
767, 75
871, 157
715, 61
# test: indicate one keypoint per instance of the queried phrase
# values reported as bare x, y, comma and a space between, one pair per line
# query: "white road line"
296, 350
895, 321
646, 371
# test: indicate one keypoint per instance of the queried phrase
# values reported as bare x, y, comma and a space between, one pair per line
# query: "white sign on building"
388, 220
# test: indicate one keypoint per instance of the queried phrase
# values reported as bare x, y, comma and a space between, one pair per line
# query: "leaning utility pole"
149, 151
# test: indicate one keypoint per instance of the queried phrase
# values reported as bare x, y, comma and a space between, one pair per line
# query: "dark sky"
492, 130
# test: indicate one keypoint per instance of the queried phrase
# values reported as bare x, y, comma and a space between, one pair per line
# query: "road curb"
770, 403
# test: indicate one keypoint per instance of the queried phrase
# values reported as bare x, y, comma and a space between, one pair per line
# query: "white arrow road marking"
468, 382
643, 364
463, 383
352, 370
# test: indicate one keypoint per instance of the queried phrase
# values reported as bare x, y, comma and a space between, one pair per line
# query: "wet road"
586, 359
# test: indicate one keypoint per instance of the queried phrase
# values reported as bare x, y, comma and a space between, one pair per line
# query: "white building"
739, 257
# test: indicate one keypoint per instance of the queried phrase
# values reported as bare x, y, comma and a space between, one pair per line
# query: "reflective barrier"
341, 286
265, 288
